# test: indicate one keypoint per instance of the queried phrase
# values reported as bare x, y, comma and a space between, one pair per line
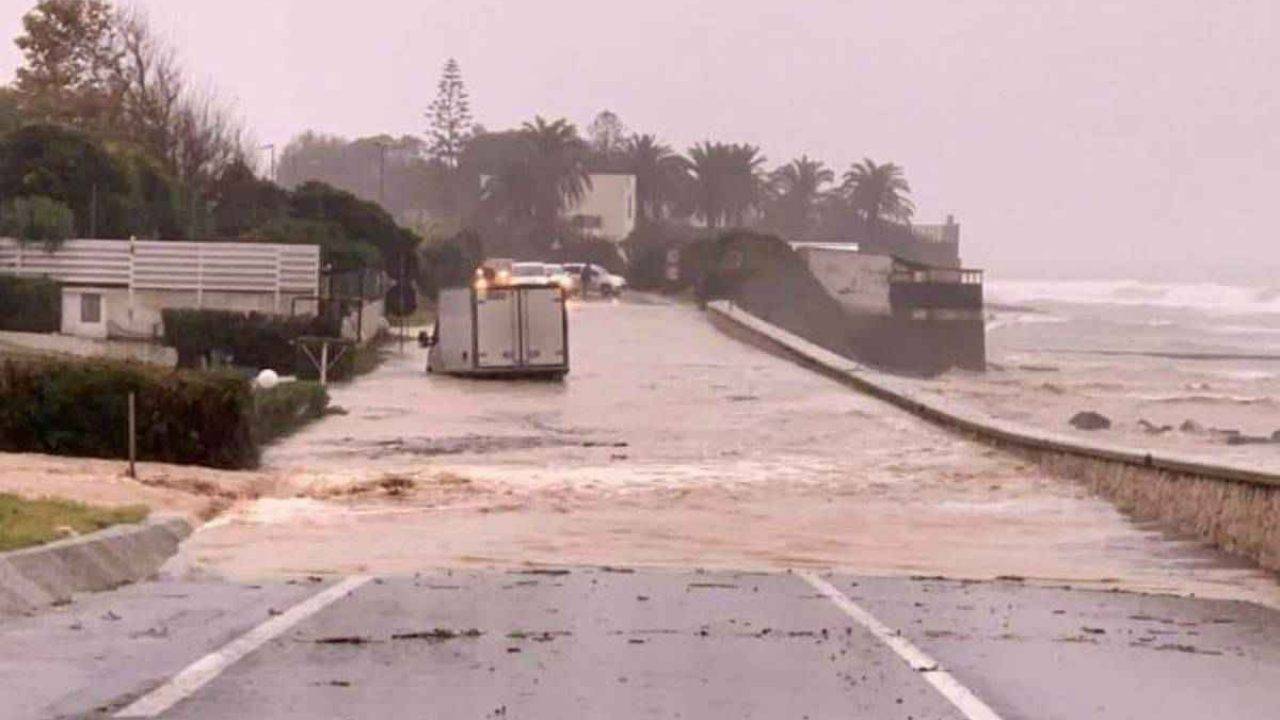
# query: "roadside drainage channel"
1236, 508
53, 573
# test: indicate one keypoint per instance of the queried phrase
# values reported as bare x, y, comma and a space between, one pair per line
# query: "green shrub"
253, 340
36, 218
80, 408
30, 305
285, 408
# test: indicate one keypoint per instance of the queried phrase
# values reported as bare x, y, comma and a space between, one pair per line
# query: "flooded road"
670, 444
684, 527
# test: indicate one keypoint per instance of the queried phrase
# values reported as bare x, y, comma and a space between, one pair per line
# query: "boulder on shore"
1191, 426
1090, 420
1152, 429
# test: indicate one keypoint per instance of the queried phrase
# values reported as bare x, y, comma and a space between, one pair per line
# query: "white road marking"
960, 696
202, 671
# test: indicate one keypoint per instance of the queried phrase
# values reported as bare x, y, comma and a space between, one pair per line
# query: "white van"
509, 330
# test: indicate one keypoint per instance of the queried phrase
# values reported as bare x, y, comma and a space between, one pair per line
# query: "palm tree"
557, 166
727, 181
796, 189
878, 191
746, 181
661, 175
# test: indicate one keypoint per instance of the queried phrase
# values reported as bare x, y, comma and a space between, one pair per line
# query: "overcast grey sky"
1071, 139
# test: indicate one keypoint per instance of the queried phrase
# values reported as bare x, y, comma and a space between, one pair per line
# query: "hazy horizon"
1128, 142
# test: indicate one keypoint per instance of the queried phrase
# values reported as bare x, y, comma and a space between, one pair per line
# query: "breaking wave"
1210, 297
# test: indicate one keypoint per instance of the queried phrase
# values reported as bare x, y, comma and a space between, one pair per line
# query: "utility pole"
382, 174
272, 148
403, 305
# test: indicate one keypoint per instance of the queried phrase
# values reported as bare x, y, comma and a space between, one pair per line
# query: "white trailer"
501, 331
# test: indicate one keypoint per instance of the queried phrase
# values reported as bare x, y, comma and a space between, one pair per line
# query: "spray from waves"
1208, 399
1209, 297
1001, 320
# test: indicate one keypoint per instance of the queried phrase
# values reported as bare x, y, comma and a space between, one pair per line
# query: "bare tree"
188, 128
206, 137
152, 85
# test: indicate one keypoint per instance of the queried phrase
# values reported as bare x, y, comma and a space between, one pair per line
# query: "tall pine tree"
450, 117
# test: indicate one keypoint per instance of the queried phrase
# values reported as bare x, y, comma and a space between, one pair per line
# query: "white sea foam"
1244, 375
1244, 330
1211, 297
999, 320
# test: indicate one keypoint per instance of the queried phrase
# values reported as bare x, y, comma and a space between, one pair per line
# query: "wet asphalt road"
594, 643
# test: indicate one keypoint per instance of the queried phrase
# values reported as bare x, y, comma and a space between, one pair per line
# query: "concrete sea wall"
1235, 508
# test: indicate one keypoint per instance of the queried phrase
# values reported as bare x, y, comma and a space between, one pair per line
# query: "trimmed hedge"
30, 305
285, 408
254, 340
80, 408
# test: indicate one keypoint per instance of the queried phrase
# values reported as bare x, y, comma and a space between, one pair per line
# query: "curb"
50, 574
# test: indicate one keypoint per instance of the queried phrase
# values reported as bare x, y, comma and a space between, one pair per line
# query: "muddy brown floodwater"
670, 444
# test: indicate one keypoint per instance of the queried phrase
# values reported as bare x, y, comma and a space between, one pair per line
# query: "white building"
608, 207
118, 288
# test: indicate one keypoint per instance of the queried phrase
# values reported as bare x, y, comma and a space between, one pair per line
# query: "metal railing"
942, 276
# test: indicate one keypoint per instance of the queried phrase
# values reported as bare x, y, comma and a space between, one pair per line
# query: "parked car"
495, 271
562, 277
594, 278
574, 270
530, 273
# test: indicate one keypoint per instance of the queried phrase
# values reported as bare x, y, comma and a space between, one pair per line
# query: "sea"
1153, 357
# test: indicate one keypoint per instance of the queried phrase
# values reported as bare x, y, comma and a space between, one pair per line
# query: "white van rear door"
544, 337
497, 332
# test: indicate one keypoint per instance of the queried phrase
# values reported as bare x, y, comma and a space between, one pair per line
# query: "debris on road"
438, 635
343, 640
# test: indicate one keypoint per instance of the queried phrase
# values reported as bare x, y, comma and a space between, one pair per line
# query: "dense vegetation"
244, 339
30, 305
285, 408
513, 191
71, 407
102, 133
80, 408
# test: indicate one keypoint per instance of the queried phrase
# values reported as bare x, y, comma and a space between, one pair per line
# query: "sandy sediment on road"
193, 492
959, 525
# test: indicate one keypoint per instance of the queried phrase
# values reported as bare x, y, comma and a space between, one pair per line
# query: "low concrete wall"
1236, 508
49, 574
147, 352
